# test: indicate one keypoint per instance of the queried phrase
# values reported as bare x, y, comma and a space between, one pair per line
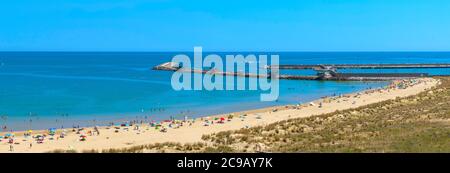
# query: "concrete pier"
172, 67
364, 66
324, 72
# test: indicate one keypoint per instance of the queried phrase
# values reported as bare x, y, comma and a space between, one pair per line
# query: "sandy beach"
191, 131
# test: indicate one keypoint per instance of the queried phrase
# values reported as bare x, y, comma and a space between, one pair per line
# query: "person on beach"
96, 130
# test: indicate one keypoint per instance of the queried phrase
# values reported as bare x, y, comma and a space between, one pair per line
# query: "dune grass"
419, 123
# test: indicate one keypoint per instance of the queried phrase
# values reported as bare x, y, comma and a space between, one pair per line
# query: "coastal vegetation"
419, 123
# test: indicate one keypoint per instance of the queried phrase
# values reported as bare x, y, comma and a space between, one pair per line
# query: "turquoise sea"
53, 89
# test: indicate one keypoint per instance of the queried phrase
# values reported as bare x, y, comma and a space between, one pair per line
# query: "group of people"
397, 84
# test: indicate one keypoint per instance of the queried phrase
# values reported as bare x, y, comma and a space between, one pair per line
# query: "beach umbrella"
83, 137
30, 131
222, 119
9, 135
52, 131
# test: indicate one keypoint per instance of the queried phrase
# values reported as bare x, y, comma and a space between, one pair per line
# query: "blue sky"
225, 25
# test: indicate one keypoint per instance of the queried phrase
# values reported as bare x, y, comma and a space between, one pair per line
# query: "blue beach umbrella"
52, 131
